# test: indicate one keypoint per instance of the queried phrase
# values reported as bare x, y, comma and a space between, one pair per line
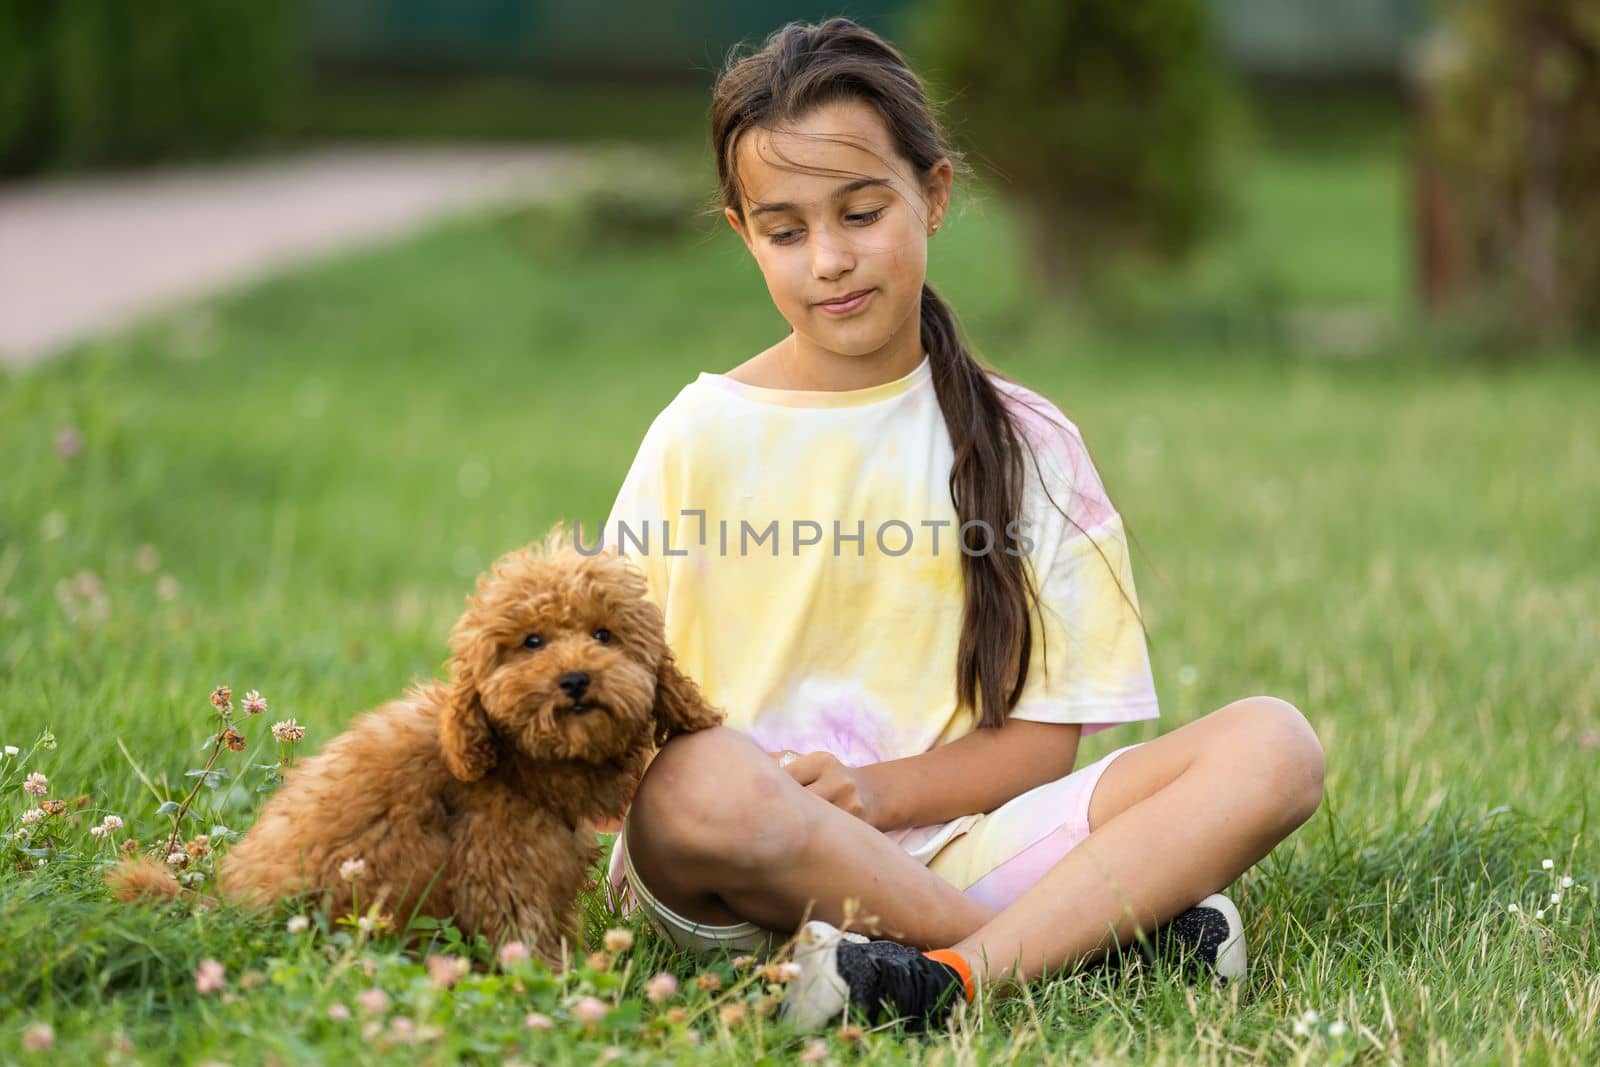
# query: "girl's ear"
680, 706
464, 732
738, 226
940, 177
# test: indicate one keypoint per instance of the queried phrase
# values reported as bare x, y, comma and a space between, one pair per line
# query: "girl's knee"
1286, 752
716, 795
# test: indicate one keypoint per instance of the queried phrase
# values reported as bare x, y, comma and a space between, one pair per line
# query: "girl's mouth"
845, 307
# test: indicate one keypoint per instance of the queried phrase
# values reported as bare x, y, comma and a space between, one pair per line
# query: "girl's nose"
832, 256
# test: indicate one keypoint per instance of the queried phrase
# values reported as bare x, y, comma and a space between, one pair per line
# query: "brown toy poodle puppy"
473, 798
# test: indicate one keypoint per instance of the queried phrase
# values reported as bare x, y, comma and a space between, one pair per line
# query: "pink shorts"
1002, 854
993, 858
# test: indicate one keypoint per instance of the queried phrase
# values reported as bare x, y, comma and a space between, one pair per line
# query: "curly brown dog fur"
472, 798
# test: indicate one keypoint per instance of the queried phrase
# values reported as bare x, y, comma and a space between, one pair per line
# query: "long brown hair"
799, 68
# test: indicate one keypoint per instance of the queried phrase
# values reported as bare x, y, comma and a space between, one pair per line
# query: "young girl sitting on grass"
900, 575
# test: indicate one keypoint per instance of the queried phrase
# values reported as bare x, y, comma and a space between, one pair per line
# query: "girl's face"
861, 225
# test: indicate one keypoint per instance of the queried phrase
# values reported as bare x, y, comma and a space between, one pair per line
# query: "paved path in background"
83, 257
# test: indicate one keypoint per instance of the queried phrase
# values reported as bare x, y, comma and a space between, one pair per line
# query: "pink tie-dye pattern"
1060, 448
848, 729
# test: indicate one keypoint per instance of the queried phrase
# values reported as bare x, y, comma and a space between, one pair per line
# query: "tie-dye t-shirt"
801, 545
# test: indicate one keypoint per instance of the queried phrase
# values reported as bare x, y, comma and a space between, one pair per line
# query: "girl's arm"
972, 774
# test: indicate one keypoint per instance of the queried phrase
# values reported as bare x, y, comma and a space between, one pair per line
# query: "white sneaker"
881, 979
1210, 933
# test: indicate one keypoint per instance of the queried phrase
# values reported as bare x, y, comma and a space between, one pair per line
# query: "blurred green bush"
95, 82
623, 199
1105, 120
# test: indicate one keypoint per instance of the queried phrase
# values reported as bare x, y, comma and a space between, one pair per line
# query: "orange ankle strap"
956, 960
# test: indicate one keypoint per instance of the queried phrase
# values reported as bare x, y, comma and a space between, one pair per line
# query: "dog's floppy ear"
464, 732
680, 706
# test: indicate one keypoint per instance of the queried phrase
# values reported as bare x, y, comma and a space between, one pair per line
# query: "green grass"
1405, 547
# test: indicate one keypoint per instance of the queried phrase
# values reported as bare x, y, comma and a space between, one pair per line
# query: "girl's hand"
844, 787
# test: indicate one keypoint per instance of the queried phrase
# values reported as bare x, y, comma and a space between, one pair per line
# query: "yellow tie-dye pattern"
854, 651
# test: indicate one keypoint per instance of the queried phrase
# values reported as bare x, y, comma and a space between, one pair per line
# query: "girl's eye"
603, 635
787, 237
532, 641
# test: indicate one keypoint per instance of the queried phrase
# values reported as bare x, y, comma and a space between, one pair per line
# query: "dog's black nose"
573, 683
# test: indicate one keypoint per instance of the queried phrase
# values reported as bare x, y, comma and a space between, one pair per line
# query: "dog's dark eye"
532, 641
603, 635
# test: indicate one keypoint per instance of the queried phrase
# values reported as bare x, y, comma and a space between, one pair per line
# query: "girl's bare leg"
720, 833
1171, 821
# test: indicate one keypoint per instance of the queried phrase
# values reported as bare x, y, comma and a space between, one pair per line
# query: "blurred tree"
1102, 117
1507, 189
92, 82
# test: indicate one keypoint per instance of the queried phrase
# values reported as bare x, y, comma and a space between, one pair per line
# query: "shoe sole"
818, 995
1233, 962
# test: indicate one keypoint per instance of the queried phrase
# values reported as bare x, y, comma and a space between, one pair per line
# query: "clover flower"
38, 1037
254, 703
618, 940
178, 859
37, 784
662, 987
368, 924
209, 977
513, 953
537, 1020
297, 924
352, 869
337, 1012
780, 973
288, 730
589, 1010
815, 1051
32, 815
69, 440
108, 824
373, 1001
446, 971
222, 698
